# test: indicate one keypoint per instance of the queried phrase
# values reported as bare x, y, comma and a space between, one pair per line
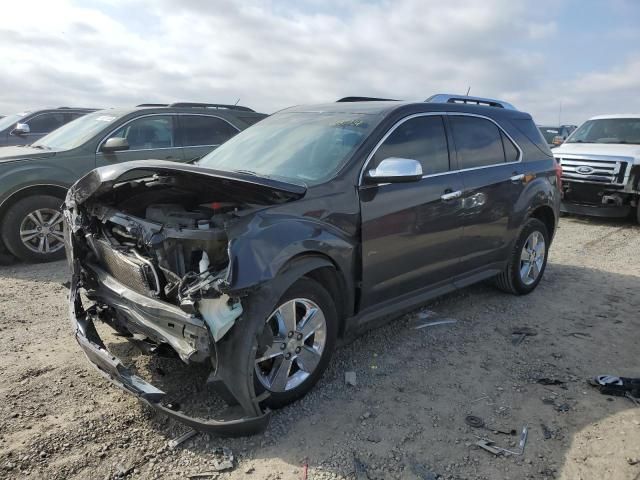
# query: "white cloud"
272, 55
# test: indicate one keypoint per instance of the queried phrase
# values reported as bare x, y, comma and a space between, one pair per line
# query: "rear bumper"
615, 211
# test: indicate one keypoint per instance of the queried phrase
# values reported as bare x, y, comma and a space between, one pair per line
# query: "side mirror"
557, 140
395, 170
115, 144
21, 129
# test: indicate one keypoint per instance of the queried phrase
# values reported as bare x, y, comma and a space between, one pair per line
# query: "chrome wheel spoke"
312, 321
287, 316
27, 235
55, 219
272, 351
57, 235
524, 255
34, 219
41, 245
308, 359
280, 375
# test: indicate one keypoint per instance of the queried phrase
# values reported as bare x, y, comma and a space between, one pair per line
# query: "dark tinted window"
155, 131
422, 139
74, 115
478, 142
46, 122
200, 130
511, 153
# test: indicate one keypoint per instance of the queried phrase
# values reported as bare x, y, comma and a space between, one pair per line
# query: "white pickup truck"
601, 167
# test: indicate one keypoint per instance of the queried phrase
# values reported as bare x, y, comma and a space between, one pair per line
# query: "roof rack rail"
76, 108
153, 105
487, 102
212, 105
365, 99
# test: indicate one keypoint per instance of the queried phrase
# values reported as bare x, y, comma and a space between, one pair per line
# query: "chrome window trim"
173, 114
450, 114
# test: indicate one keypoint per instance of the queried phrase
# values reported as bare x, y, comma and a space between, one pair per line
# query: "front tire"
296, 343
32, 229
528, 260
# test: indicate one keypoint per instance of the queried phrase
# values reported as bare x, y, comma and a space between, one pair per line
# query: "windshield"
10, 120
548, 133
75, 133
306, 146
608, 130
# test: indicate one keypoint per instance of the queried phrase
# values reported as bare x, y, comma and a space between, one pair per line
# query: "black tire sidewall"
11, 227
312, 290
533, 224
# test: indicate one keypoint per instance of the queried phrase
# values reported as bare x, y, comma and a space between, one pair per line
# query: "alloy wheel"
41, 231
532, 258
293, 340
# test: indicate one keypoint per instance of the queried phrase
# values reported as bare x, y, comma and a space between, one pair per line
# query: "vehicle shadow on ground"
415, 387
588, 220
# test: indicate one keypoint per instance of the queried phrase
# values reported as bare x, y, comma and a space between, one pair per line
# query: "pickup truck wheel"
296, 343
528, 260
32, 229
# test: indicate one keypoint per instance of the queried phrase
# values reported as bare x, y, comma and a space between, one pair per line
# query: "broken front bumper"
113, 369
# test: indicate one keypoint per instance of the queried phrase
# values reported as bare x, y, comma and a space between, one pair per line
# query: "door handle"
517, 178
445, 197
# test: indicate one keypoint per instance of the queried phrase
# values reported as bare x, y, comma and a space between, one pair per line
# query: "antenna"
237, 101
560, 114
468, 90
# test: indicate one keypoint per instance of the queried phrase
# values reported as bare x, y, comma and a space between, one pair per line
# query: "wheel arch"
53, 190
546, 215
322, 269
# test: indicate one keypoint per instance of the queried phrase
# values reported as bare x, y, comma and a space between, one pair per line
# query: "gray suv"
26, 127
34, 179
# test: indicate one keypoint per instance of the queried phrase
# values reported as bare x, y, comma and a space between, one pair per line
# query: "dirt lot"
405, 417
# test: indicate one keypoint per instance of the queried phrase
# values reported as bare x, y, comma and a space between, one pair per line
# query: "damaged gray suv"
309, 227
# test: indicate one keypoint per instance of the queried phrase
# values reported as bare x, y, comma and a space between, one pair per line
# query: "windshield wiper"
40, 147
248, 172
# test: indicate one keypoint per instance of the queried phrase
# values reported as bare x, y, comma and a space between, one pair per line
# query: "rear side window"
46, 122
420, 138
200, 130
478, 142
511, 153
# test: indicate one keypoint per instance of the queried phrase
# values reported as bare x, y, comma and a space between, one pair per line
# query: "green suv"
34, 178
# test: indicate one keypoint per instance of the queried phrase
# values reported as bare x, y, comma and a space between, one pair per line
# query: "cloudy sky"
580, 56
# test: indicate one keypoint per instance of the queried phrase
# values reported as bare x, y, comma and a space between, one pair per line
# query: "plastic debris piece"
182, 438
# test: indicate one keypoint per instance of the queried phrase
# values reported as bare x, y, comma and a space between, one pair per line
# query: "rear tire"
32, 229
305, 355
528, 260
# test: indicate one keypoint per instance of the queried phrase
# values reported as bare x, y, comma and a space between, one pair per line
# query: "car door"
411, 232
493, 181
199, 134
149, 137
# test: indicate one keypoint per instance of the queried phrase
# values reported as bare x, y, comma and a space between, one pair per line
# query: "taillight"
559, 175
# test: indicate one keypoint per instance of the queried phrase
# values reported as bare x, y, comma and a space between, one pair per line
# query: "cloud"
275, 54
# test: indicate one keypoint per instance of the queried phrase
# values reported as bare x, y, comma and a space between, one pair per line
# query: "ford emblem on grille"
585, 170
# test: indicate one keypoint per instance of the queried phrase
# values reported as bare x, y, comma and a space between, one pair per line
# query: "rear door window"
421, 138
46, 122
478, 142
146, 133
202, 130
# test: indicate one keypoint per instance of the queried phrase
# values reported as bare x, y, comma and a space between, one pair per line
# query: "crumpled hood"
235, 186
629, 152
15, 153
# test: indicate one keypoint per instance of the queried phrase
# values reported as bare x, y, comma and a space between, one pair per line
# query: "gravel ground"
405, 416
